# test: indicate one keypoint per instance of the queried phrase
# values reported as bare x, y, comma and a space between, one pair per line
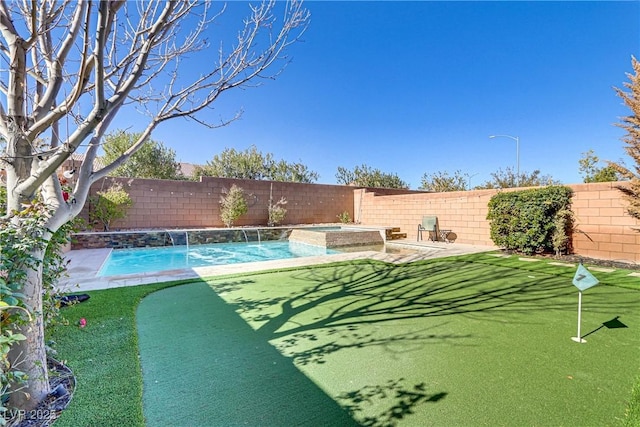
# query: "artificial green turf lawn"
204, 367
480, 363
104, 359
443, 342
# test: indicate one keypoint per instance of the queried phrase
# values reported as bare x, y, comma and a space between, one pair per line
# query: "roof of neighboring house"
76, 159
187, 169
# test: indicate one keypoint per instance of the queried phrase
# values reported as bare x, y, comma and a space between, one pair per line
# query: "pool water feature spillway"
323, 236
175, 237
337, 238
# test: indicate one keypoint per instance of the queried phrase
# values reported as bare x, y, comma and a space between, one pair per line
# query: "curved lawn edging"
104, 358
202, 365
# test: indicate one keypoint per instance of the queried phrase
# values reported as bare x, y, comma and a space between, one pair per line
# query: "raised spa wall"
337, 238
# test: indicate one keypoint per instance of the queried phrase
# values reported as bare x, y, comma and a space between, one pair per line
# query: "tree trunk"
30, 355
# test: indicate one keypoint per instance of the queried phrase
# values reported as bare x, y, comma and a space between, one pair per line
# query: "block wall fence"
196, 204
603, 230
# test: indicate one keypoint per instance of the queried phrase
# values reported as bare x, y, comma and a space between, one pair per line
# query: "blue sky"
418, 87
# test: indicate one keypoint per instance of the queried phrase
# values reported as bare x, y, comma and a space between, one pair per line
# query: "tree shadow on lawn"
374, 292
300, 311
203, 365
300, 346
404, 399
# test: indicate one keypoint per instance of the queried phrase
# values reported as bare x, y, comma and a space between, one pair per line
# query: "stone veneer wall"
158, 238
119, 240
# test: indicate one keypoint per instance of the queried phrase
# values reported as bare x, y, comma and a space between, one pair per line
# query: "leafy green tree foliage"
230, 163
3, 198
366, 176
440, 182
109, 205
532, 221
591, 172
232, 205
606, 174
509, 179
252, 164
292, 172
152, 160
631, 124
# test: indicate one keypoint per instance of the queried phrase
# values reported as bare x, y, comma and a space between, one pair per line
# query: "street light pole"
517, 140
469, 180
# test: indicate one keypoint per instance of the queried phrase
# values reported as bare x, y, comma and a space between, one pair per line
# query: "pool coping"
84, 264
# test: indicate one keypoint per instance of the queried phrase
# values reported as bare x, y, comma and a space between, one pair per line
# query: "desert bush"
232, 205
344, 217
277, 211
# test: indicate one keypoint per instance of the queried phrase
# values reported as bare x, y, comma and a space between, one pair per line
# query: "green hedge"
532, 221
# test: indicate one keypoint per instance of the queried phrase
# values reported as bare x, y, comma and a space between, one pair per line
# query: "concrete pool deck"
84, 264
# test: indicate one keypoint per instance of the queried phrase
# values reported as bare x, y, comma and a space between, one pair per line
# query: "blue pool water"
145, 260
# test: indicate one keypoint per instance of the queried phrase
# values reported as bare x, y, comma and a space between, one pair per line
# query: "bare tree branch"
80, 63
54, 65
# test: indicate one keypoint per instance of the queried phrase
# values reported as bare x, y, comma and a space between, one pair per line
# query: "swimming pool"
146, 260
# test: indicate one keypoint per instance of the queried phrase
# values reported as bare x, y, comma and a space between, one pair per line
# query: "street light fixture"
469, 180
517, 140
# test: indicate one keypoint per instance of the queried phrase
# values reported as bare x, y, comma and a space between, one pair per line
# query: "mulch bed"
627, 265
62, 383
593, 261
577, 259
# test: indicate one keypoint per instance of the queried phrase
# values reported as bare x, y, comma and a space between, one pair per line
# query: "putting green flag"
583, 279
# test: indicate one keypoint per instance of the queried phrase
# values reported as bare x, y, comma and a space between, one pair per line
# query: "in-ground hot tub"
337, 238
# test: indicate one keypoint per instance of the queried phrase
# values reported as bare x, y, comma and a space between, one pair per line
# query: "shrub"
3, 199
532, 221
277, 212
109, 205
563, 227
232, 205
344, 217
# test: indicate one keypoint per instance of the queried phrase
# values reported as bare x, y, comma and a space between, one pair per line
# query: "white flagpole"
578, 338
